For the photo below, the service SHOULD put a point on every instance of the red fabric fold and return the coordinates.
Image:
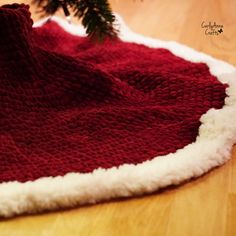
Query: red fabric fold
(70, 105)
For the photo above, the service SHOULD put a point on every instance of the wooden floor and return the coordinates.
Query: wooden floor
(206, 206)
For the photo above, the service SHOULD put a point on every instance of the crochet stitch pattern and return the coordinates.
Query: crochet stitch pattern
(71, 105)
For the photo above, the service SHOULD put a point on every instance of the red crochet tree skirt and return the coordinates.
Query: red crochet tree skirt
(71, 105)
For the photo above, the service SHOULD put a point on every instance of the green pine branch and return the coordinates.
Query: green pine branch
(96, 15)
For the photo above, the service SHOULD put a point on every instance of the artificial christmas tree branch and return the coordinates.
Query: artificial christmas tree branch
(96, 15)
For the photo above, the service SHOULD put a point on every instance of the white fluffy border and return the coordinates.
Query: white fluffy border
(213, 146)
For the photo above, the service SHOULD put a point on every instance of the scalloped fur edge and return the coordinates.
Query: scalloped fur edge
(217, 135)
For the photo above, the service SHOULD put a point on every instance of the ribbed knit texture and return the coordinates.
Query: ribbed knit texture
(71, 105)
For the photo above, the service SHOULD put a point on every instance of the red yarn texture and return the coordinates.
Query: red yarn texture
(70, 105)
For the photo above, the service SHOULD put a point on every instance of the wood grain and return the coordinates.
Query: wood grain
(206, 206)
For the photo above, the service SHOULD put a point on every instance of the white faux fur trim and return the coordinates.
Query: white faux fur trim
(213, 146)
